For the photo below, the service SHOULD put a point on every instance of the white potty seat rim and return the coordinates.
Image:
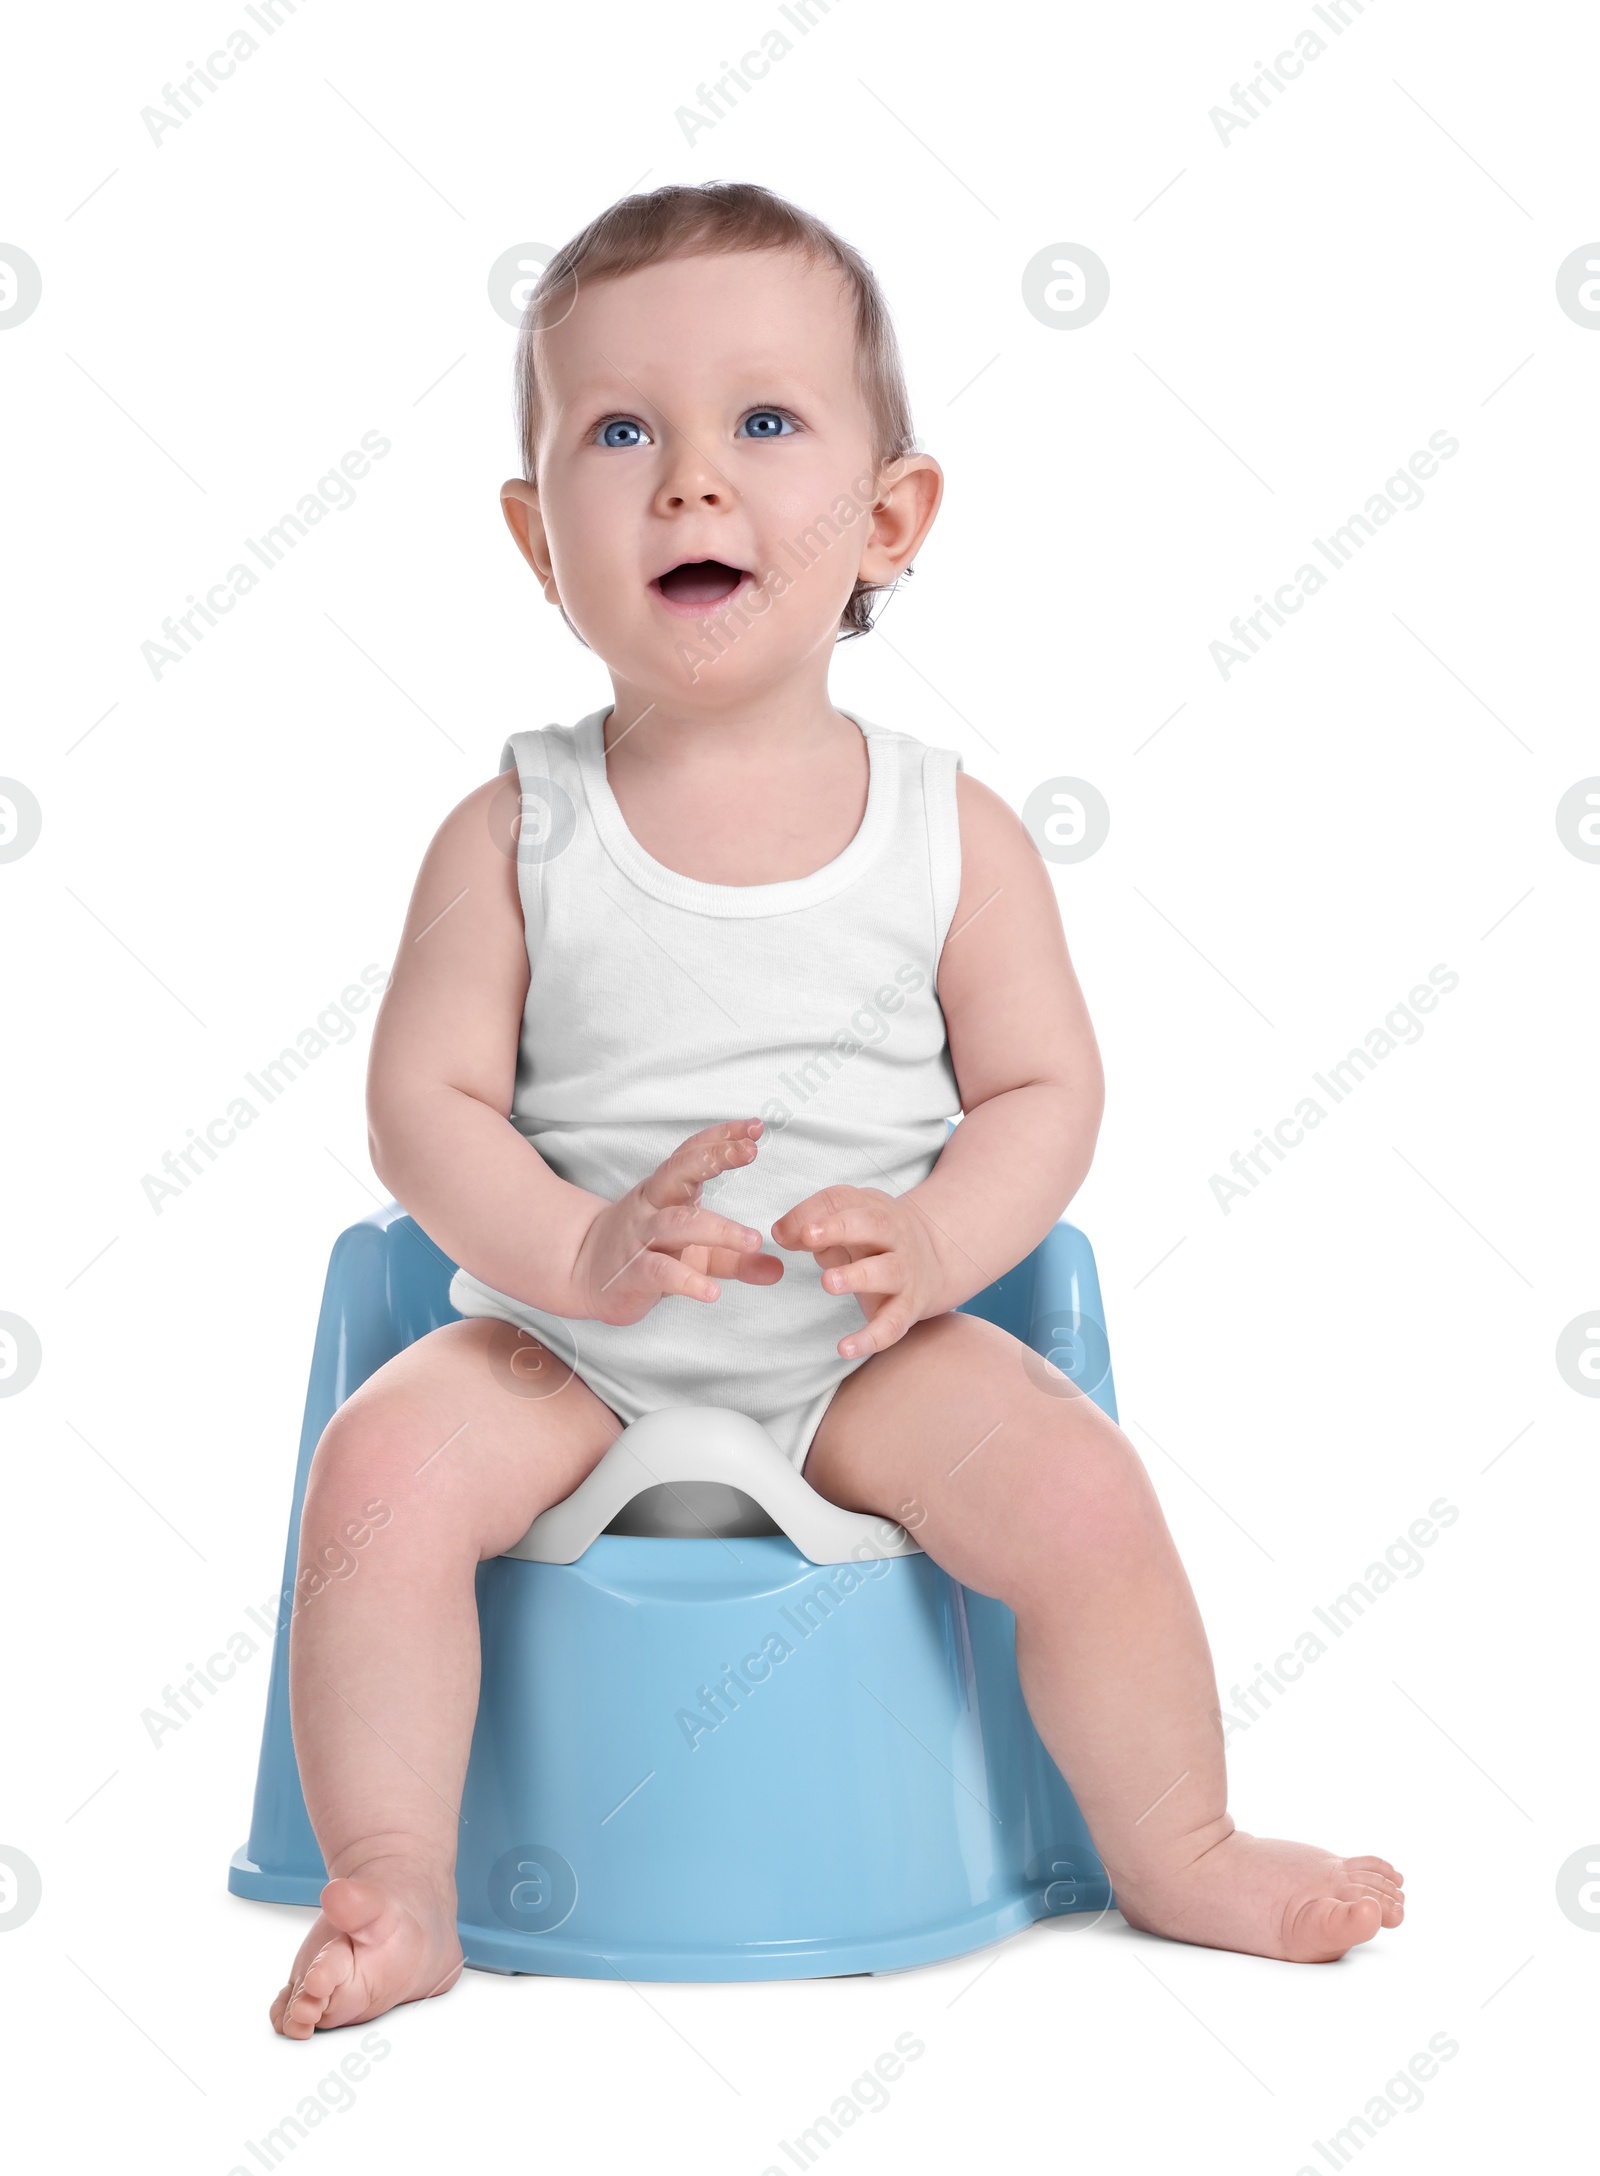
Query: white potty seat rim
(689, 1444)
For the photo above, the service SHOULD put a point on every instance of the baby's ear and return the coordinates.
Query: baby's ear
(519, 502)
(909, 490)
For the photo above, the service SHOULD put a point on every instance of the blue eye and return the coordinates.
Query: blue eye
(622, 431)
(767, 423)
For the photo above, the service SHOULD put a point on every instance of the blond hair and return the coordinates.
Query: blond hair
(721, 217)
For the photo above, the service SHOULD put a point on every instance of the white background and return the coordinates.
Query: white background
(1292, 314)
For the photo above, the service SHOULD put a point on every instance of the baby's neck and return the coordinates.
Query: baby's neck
(739, 800)
(772, 729)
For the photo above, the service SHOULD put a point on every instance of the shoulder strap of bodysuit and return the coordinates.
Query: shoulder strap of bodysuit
(939, 768)
(548, 820)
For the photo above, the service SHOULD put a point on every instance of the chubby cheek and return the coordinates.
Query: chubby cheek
(808, 500)
(808, 575)
(594, 556)
(814, 533)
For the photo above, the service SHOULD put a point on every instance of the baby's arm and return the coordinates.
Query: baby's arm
(440, 1083)
(1025, 1056)
(444, 1064)
(1032, 1090)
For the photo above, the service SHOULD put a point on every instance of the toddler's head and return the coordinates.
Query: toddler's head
(719, 474)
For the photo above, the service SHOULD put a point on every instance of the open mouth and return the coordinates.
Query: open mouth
(698, 585)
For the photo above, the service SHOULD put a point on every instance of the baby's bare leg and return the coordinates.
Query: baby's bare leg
(464, 1438)
(1022, 1488)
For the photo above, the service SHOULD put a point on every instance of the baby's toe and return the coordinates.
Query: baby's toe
(1391, 1902)
(313, 1996)
(1324, 1927)
(291, 2015)
(1377, 1878)
(1378, 1868)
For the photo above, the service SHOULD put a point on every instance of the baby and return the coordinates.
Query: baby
(721, 939)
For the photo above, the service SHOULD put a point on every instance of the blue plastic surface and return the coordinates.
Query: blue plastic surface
(875, 1798)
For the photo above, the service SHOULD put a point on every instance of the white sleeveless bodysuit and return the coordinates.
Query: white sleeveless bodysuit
(658, 1005)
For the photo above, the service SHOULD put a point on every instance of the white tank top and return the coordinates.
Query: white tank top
(658, 1005)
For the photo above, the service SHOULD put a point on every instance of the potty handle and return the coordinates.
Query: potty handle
(707, 1472)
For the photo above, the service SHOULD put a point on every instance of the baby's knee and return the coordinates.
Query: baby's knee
(359, 1460)
(1088, 1490)
(333, 1548)
(1103, 1469)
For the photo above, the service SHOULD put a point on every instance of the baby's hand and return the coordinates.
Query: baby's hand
(876, 1245)
(658, 1239)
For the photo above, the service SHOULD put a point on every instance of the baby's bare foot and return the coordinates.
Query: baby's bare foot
(1270, 1899)
(385, 1934)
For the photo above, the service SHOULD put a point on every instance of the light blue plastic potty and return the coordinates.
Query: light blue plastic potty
(726, 1731)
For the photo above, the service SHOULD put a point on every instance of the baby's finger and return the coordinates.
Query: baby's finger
(861, 1222)
(870, 1273)
(792, 1229)
(886, 1328)
(733, 1262)
(715, 1149)
(683, 1226)
(672, 1278)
